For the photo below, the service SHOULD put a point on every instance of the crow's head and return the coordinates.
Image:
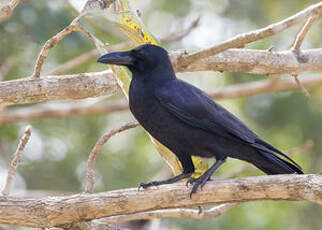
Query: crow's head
(144, 59)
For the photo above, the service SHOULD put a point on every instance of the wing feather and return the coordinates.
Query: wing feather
(194, 107)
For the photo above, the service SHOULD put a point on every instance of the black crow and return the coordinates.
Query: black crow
(187, 121)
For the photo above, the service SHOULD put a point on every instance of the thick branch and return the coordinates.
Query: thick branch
(58, 211)
(77, 86)
(256, 61)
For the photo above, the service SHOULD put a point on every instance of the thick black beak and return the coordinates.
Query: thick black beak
(117, 58)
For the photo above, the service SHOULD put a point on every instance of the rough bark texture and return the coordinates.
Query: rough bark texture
(59, 211)
(31, 90)
(256, 61)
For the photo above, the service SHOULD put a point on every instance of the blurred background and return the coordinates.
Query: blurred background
(54, 160)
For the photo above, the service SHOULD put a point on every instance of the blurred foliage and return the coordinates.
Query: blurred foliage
(55, 159)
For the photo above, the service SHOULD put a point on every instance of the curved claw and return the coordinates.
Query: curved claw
(201, 181)
(194, 189)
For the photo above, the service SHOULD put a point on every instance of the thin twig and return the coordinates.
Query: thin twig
(302, 32)
(63, 210)
(301, 86)
(51, 88)
(7, 10)
(16, 160)
(99, 144)
(245, 38)
(174, 213)
(51, 43)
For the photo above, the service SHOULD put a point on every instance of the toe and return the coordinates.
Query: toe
(190, 181)
(194, 189)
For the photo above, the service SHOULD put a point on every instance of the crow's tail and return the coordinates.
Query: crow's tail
(272, 164)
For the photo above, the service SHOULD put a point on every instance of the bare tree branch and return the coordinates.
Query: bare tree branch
(51, 43)
(77, 86)
(302, 32)
(245, 38)
(7, 10)
(255, 61)
(303, 89)
(176, 213)
(297, 44)
(97, 148)
(16, 160)
(61, 211)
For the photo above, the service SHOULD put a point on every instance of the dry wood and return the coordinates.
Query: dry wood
(7, 10)
(16, 160)
(51, 43)
(60, 211)
(242, 39)
(99, 144)
(302, 32)
(301, 86)
(255, 61)
(234, 60)
(77, 86)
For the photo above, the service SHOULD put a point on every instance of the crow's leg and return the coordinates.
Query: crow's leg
(201, 181)
(167, 181)
(188, 169)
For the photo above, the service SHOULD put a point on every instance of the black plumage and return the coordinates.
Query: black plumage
(187, 121)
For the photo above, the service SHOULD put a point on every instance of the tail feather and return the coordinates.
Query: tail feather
(277, 165)
(272, 148)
